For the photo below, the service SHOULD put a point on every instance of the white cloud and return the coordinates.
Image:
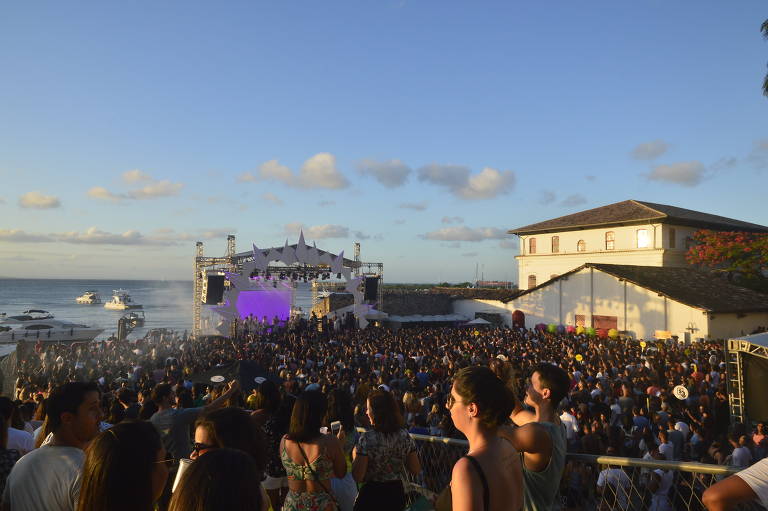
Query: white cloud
(687, 173)
(319, 171)
(19, 236)
(99, 192)
(546, 197)
(464, 233)
(508, 244)
(317, 232)
(326, 203)
(418, 206)
(392, 173)
(247, 177)
(489, 183)
(152, 190)
(650, 150)
(452, 220)
(271, 197)
(573, 200)
(36, 200)
(399, 221)
(2, 201)
(136, 176)
(360, 235)
(273, 170)
(157, 189)
(758, 158)
(95, 236)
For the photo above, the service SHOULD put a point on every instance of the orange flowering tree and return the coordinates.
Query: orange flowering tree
(741, 256)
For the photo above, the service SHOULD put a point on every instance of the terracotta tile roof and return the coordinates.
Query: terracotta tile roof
(690, 286)
(633, 212)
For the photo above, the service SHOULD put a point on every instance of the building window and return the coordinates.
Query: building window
(580, 320)
(672, 238)
(642, 238)
(555, 244)
(532, 246)
(531, 281)
(610, 240)
(581, 246)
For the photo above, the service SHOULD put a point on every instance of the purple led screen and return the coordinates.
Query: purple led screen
(270, 302)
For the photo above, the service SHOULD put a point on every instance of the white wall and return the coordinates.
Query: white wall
(723, 326)
(544, 263)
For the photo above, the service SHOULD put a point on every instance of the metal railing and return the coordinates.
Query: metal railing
(626, 483)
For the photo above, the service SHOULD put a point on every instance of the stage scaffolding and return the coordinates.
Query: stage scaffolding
(735, 351)
(233, 262)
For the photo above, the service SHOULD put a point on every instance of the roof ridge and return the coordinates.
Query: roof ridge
(646, 206)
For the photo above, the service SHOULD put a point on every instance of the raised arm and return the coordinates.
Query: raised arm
(727, 494)
(533, 440)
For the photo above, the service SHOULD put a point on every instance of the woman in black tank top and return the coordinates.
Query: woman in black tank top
(489, 477)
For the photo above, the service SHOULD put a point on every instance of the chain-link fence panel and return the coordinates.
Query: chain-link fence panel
(592, 483)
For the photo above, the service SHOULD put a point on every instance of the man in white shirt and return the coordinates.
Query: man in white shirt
(666, 448)
(48, 478)
(17, 439)
(614, 484)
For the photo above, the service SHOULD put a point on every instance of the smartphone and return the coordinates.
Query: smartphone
(335, 426)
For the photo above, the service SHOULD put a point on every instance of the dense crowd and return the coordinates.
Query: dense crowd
(619, 401)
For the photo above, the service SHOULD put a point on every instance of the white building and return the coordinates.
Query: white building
(644, 302)
(623, 266)
(629, 232)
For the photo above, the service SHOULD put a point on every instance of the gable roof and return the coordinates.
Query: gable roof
(630, 212)
(689, 286)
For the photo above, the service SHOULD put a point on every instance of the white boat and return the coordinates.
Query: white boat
(36, 314)
(89, 298)
(121, 300)
(27, 328)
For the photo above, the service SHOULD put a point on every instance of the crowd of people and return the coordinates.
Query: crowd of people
(327, 427)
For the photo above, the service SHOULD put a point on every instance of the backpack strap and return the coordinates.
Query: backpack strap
(486, 492)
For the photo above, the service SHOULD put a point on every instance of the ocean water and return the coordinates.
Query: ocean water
(167, 304)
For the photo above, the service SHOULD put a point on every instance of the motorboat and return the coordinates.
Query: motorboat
(135, 319)
(121, 300)
(89, 298)
(27, 328)
(37, 314)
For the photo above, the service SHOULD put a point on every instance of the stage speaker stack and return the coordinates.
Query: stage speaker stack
(213, 289)
(755, 375)
(371, 289)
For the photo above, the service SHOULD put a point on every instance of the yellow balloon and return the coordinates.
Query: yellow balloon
(643, 344)
(477, 333)
(579, 330)
(579, 357)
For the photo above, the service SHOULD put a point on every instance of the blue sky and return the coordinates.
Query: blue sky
(425, 130)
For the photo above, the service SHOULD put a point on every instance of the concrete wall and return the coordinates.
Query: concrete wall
(723, 326)
(545, 263)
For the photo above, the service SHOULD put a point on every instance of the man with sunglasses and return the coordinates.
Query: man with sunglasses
(173, 423)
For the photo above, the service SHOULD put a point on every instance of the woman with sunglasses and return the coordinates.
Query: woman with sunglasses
(231, 428)
(126, 456)
(221, 479)
(490, 476)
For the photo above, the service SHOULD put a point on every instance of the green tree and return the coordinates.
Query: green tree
(764, 30)
(741, 256)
